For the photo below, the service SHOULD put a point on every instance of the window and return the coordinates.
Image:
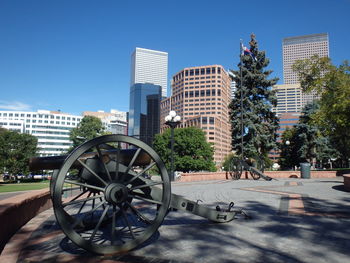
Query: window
(213, 92)
(197, 72)
(191, 72)
(202, 71)
(208, 70)
(207, 92)
(213, 70)
(211, 120)
(196, 93)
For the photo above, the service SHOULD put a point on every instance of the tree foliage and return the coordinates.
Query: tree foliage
(308, 141)
(333, 84)
(90, 127)
(191, 150)
(260, 122)
(15, 151)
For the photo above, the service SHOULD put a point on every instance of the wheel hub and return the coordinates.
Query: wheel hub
(116, 193)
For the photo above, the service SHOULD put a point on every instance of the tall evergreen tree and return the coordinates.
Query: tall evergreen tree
(259, 121)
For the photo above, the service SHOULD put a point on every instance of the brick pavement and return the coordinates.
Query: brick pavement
(293, 220)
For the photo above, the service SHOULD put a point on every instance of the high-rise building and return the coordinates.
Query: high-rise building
(51, 128)
(201, 96)
(302, 47)
(144, 111)
(290, 97)
(150, 66)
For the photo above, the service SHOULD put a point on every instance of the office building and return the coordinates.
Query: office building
(201, 96)
(144, 113)
(114, 121)
(51, 128)
(290, 97)
(149, 66)
(302, 47)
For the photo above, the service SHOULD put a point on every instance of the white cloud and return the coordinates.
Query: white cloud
(14, 105)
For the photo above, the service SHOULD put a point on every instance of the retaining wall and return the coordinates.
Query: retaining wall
(18, 210)
(189, 177)
(347, 181)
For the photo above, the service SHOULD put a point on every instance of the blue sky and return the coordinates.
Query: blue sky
(74, 55)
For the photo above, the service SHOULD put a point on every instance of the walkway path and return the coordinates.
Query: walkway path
(293, 220)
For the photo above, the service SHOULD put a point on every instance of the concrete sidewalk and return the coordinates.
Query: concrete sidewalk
(293, 220)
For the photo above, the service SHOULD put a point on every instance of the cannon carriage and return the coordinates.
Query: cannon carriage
(112, 193)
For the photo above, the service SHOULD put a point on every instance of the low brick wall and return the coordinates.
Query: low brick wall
(347, 181)
(190, 177)
(18, 210)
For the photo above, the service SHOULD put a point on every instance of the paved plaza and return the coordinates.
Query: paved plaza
(292, 220)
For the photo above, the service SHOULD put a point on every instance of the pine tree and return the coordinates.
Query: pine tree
(259, 121)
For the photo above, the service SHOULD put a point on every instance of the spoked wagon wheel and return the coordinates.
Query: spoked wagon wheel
(235, 169)
(120, 197)
(258, 164)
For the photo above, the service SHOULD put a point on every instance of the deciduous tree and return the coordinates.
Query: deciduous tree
(191, 150)
(90, 127)
(15, 151)
(333, 84)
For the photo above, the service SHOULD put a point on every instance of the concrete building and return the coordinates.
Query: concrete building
(149, 66)
(290, 97)
(114, 121)
(144, 111)
(52, 128)
(201, 96)
(302, 47)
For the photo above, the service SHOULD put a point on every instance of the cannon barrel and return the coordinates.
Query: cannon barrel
(55, 162)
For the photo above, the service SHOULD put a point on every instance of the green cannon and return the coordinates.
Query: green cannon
(111, 194)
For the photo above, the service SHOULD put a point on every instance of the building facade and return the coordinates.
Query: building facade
(302, 47)
(290, 97)
(201, 96)
(114, 121)
(49, 127)
(149, 66)
(144, 113)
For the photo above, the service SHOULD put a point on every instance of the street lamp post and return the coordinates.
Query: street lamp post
(172, 120)
(287, 143)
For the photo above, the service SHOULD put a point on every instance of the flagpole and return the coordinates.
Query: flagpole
(241, 81)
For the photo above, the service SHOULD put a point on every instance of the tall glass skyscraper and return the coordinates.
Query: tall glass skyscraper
(144, 112)
(150, 66)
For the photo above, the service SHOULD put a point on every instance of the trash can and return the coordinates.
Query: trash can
(305, 170)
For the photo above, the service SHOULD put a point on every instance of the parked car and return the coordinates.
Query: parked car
(37, 176)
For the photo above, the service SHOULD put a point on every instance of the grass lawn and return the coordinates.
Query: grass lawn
(14, 187)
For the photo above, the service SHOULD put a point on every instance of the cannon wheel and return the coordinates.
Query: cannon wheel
(259, 163)
(115, 205)
(235, 169)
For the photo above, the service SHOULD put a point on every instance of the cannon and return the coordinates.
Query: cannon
(111, 194)
(237, 166)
